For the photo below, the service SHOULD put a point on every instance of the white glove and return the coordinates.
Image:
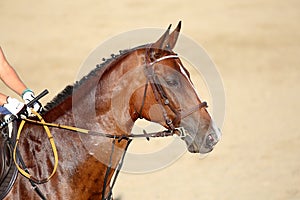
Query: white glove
(16, 107)
(28, 96)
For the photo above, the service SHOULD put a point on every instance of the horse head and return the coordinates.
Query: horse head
(169, 97)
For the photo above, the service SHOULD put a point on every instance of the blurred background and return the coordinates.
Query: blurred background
(256, 48)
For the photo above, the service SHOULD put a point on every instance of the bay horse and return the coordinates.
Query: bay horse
(147, 82)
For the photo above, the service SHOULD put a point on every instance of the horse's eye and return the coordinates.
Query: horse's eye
(172, 82)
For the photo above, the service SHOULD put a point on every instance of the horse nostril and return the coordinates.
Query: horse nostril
(210, 140)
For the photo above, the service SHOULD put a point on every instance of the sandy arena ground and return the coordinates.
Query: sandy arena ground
(255, 45)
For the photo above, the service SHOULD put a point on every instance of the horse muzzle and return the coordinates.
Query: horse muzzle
(204, 144)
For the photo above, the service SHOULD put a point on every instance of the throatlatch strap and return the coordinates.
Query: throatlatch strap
(51, 140)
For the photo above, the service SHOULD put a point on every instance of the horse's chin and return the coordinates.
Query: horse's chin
(193, 148)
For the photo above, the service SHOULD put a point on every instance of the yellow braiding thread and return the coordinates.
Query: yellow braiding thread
(51, 140)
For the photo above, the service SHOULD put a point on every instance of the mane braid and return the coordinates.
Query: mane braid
(58, 99)
(63, 95)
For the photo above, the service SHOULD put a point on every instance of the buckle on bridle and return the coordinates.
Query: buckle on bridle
(182, 132)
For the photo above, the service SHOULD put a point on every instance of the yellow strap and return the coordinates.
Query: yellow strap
(51, 140)
(70, 128)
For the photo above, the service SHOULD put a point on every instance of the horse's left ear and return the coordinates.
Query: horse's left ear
(162, 42)
(174, 36)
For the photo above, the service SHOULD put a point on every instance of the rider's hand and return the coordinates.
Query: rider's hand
(16, 107)
(28, 96)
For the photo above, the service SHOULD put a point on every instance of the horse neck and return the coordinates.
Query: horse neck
(100, 104)
(102, 99)
(107, 102)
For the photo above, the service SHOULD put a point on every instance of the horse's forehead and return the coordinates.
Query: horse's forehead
(174, 67)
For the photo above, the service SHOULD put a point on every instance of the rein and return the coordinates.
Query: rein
(177, 131)
(25, 172)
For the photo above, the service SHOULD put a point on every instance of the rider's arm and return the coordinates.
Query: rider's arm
(9, 76)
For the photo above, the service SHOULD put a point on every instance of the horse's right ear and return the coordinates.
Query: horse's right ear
(163, 41)
(174, 36)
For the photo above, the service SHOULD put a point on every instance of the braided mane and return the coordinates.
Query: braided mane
(68, 90)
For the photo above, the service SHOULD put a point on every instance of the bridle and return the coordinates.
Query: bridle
(160, 94)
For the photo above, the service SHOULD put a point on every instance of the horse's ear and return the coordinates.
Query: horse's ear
(174, 36)
(162, 42)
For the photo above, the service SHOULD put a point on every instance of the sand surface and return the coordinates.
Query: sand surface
(256, 48)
